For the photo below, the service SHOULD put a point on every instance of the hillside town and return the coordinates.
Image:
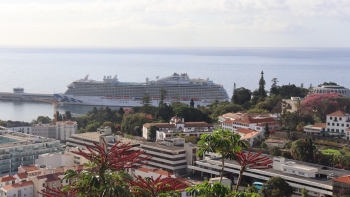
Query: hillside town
(253, 144)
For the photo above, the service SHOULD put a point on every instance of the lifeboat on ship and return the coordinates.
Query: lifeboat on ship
(117, 97)
(109, 97)
(184, 98)
(167, 98)
(127, 97)
(155, 98)
(195, 99)
(174, 98)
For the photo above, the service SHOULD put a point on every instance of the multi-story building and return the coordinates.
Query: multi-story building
(7, 180)
(22, 149)
(50, 180)
(341, 185)
(337, 125)
(65, 129)
(21, 189)
(172, 154)
(248, 121)
(177, 125)
(44, 130)
(56, 159)
(316, 179)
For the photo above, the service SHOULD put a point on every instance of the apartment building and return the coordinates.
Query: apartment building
(18, 149)
(55, 160)
(44, 130)
(21, 189)
(65, 129)
(341, 185)
(50, 180)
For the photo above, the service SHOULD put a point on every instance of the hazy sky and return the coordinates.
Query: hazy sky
(175, 23)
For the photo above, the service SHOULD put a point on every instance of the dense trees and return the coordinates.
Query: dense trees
(303, 150)
(320, 105)
(276, 187)
(241, 96)
(152, 132)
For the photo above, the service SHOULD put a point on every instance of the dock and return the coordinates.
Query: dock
(20, 95)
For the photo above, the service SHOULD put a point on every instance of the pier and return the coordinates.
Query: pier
(18, 94)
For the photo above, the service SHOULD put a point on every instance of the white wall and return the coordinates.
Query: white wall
(55, 160)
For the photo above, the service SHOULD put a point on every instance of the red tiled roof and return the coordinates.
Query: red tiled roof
(322, 125)
(337, 113)
(17, 185)
(143, 169)
(159, 125)
(51, 177)
(29, 168)
(197, 124)
(250, 120)
(244, 131)
(343, 179)
(22, 175)
(7, 178)
(162, 172)
(228, 121)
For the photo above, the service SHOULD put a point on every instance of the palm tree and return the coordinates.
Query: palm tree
(223, 142)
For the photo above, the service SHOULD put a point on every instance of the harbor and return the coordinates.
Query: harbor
(18, 94)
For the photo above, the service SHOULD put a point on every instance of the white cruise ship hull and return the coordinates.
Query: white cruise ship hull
(102, 101)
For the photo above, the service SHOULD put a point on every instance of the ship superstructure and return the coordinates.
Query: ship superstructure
(111, 92)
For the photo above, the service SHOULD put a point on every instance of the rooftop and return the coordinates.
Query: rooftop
(338, 114)
(343, 179)
(17, 185)
(11, 138)
(158, 145)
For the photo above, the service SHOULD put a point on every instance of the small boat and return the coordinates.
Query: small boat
(184, 98)
(109, 97)
(117, 97)
(155, 98)
(126, 97)
(195, 99)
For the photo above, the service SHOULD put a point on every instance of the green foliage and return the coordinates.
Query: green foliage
(276, 187)
(255, 110)
(287, 91)
(222, 108)
(275, 151)
(329, 151)
(266, 131)
(152, 132)
(304, 193)
(241, 96)
(303, 150)
(328, 83)
(192, 103)
(206, 189)
(146, 100)
(133, 123)
(274, 87)
(43, 120)
(262, 83)
(191, 114)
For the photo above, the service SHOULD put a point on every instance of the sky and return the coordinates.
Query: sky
(175, 23)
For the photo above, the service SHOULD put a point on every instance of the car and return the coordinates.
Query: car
(258, 185)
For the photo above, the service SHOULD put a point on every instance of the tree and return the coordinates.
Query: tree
(163, 94)
(328, 83)
(304, 192)
(150, 187)
(206, 189)
(133, 122)
(58, 116)
(121, 111)
(266, 131)
(221, 141)
(192, 103)
(152, 132)
(68, 115)
(322, 104)
(274, 88)
(303, 150)
(262, 83)
(146, 100)
(276, 187)
(275, 151)
(251, 161)
(106, 174)
(44, 120)
(241, 96)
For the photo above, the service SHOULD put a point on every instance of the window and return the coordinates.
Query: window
(342, 125)
(337, 124)
(347, 125)
(331, 117)
(43, 184)
(332, 124)
(339, 118)
(328, 123)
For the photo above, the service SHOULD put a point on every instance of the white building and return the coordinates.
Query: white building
(291, 105)
(65, 129)
(316, 179)
(44, 130)
(337, 125)
(177, 125)
(22, 189)
(7, 180)
(155, 173)
(50, 180)
(331, 88)
(22, 149)
(248, 121)
(55, 160)
(249, 135)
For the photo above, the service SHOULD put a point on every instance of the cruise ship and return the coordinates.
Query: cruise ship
(111, 92)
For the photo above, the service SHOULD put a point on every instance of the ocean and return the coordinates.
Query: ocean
(50, 70)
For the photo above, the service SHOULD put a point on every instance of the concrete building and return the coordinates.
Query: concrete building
(55, 160)
(44, 130)
(337, 125)
(22, 189)
(172, 154)
(249, 135)
(7, 180)
(177, 125)
(248, 121)
(331, 88)
(316, 179)
(18, 149)
(65, 129)
(341, 185)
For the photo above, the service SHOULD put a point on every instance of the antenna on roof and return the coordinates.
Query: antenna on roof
(86, 77)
